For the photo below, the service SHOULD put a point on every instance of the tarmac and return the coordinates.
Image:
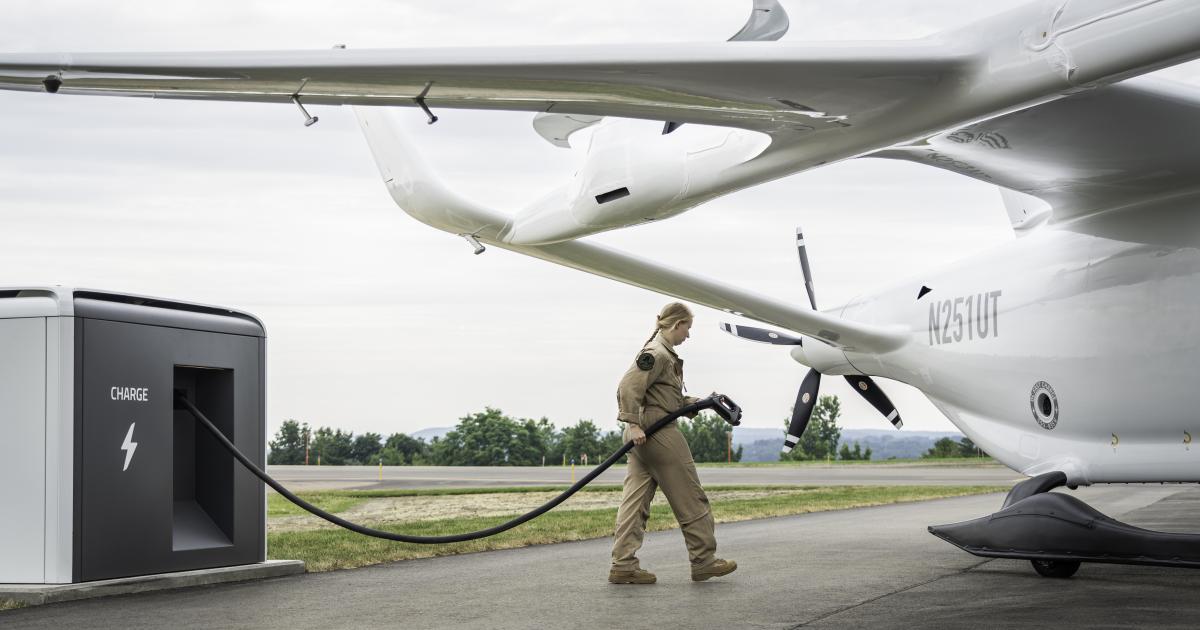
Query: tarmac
(871, 567)
(368, 477)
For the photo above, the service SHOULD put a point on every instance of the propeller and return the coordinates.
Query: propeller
(761, 335)
(806, 398)
(802, 411)
(808, 283)
(866, 386)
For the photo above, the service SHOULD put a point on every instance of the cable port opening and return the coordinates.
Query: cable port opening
(203, 469)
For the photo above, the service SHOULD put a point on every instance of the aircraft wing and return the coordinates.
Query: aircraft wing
(1098, 149)
(819, 102)
(765, 86)
(802, 95)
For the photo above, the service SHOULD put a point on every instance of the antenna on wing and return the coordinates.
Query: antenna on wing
(309, 119)
(420, 101)
(768, 22)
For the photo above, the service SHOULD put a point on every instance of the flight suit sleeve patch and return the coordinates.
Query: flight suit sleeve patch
(645, 361)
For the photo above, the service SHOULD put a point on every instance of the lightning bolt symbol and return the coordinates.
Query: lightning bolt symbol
(129, 446)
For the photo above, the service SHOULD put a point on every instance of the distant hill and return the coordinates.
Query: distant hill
(886, 444)
(763, 445)
(429, 434)
(748, 435)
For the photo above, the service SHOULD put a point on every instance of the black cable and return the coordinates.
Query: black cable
(181, 399)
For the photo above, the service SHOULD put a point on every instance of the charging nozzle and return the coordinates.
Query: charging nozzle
(727, 409)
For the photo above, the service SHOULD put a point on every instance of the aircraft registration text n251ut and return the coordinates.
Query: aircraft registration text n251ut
(964, 318)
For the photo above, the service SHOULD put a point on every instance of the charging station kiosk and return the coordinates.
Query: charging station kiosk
(100, 477)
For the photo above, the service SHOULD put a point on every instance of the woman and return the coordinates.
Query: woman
(650, 389)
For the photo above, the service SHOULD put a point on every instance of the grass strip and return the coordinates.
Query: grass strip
(11, 604)
(330, 501)
(341, 500)
(326, 550)
(335, 501)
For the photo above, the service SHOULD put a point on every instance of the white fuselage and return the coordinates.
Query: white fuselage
(1100, 314)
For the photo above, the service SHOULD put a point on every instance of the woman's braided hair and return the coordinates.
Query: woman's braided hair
(670, 315)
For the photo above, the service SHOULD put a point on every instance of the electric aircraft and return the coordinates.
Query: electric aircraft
(1068, 354)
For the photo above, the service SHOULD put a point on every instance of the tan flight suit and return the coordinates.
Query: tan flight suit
(650, 389)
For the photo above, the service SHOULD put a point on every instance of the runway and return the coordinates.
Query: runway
(368, 477)
(872, 567)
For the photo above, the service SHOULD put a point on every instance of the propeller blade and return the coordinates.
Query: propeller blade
(806, 399)
(869, 389)
(808, 282)
(761, 335)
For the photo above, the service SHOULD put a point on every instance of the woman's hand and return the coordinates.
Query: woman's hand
(637, 435)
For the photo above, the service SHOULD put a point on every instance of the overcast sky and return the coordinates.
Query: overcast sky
(379, 323)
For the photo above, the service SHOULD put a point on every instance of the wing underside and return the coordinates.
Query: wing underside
(1103, 148)
(755, 85)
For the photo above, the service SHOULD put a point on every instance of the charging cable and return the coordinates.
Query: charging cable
(723, 405)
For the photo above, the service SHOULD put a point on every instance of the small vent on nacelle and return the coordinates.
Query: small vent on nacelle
(612, 195)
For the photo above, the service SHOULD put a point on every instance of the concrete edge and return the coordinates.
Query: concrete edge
(38, 594)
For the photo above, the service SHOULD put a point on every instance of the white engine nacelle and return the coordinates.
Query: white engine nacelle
(823, 358)
(633, 174)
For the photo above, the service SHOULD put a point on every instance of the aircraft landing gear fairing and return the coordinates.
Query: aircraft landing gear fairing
(1057, 532)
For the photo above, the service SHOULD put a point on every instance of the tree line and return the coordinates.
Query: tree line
(820, 439)
(491, 438)
(946, 447)
(487, 438)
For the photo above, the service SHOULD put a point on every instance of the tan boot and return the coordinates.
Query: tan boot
(716, 568)
(634, 576)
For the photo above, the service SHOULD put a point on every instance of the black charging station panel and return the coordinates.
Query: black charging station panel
(156, 492)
